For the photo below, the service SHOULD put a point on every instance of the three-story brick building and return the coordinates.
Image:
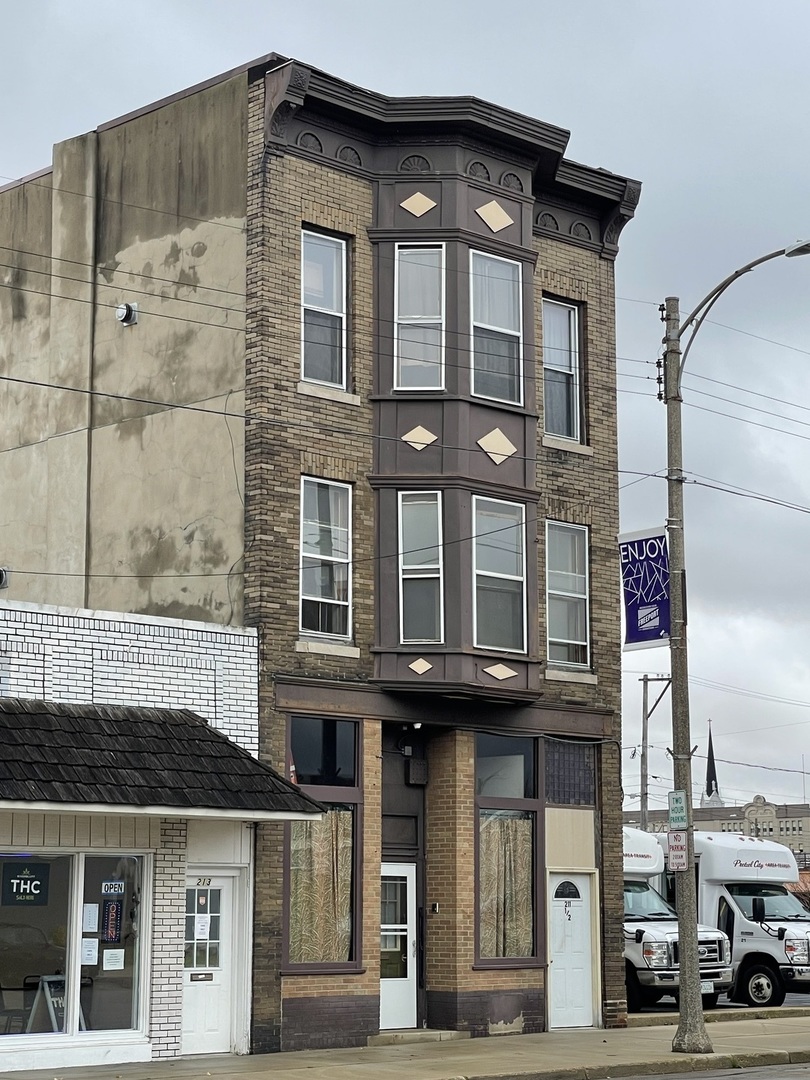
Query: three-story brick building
(342, 368)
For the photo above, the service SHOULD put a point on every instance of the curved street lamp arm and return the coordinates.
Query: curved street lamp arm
(725, 284)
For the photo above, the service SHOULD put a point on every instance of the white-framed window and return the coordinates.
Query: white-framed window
(497, 327)
(561, 370)
(419, 317)
(567, 594)
(421, 602)
(323, 309)
(499, 574)
(326, 552)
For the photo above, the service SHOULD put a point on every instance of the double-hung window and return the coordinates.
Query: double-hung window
(496, 328)
(499, 571)
(420, 566)
(567, 599)
(323, 316)
(419, 318)
(561, 369)
(325, 557)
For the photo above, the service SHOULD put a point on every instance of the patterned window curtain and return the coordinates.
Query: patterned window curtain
(506, 872)
(321, 864)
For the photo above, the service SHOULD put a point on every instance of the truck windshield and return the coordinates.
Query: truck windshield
(641, 901)
(779, 903)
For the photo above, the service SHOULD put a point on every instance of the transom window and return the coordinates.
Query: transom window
(325, 558)
(419, 318)
(567, 594)
(499, 573)
(420, 566)
(561, 375)
(323, 318)
(496, 328)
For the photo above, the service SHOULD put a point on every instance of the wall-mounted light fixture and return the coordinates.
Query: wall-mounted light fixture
(127, 314)
(3, 578)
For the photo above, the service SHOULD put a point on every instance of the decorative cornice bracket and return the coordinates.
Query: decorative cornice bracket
(284, 91)
(619, 217)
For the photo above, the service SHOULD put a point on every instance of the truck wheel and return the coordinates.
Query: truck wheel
(710, 1000)
(635, 997)
(761, 987)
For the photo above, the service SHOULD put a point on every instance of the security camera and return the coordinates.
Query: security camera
(127, 314)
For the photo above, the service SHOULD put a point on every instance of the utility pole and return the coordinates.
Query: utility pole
(645, 716)
(691, 1036)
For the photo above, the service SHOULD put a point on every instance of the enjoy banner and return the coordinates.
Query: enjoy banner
(645, 584)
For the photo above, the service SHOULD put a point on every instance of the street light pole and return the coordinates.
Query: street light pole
(691, 1036)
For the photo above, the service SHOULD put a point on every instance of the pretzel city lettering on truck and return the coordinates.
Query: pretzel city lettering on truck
(651, 933)
(742, 890)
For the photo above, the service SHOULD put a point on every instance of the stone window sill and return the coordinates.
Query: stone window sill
(554, 443)
(328, 648)
(558, 675)
(328, 393)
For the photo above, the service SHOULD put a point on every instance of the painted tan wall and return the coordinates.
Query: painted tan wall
(570, 839)
(131, 505)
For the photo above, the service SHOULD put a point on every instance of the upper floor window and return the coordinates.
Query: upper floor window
(567, 599)
(323, 316)
(420, 566)
(419, 318)
(325, 557)
(561, 375)
(499, 571)
(496, 328)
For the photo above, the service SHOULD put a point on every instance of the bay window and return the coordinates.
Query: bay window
(325, 581)
(567, 593)
(419, 318)
(499, 574)
(323, 315)
(496, 328)
(420, 566)
(561, 375)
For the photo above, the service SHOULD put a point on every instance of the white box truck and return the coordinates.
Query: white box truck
(651, 933)
(741, 890)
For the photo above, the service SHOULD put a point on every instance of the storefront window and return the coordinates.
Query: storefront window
(42, 947)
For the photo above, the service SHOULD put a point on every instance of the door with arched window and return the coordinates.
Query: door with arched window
(571, 960)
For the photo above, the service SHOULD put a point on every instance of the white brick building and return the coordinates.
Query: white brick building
(126, 835)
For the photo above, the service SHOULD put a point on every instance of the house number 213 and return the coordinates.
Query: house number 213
(203, 882)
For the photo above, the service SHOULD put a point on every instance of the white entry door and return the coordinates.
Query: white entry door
(571, 970)
(398, 946)
(207, 974)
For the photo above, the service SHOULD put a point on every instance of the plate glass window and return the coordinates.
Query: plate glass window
(323, 329)
(561, 369)
(496, 328)
(420, 547)
(419, 318)
(506, 796)
(567, 585)
(325, 558)
(500, 574)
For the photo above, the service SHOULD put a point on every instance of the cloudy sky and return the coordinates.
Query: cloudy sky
(706, 104)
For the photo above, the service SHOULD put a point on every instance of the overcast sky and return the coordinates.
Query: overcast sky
(706, 103)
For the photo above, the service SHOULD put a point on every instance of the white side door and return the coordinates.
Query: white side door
(571, 969)
(398, 945)
(208, 974)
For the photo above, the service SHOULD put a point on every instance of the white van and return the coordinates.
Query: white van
(741, 890)
(651, 933)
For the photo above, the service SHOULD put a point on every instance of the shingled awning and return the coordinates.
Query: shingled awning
(125, 759)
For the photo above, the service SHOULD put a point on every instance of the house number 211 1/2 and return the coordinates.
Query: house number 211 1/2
(203, 882)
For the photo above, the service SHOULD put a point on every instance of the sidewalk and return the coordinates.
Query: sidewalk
(749, 1038)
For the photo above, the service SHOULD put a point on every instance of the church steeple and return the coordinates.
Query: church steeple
(710, 796)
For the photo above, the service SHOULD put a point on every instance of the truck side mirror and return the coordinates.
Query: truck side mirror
(639, 936)
(758, 909)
